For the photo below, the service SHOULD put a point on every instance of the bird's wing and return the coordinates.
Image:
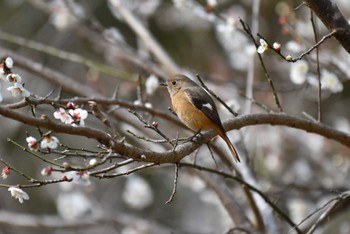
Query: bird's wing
(201, 100)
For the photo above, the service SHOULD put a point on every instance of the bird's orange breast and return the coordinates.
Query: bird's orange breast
(190, 115)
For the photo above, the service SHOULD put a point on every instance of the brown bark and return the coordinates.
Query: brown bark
(328, 12)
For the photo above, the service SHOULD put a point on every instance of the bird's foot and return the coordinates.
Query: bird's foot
(193, 138)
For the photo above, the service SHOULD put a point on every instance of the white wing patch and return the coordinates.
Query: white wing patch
(207, 105)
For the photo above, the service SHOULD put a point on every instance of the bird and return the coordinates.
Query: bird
(195, 108)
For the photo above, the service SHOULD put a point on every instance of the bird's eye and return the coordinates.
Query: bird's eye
(173, 82)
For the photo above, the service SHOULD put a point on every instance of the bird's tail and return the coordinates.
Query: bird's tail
(231, 147)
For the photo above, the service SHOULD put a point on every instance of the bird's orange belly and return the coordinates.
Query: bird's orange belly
(191, 116)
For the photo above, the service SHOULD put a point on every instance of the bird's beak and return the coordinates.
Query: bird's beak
(163, 84)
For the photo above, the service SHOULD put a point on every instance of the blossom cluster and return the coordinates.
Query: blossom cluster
(299, 74)
(16, 86)
(47, 142)
(72, 115)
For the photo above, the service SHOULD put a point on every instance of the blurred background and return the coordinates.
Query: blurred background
(298, 171)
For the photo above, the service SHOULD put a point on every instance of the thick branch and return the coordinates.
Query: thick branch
(57, 127)
(174, 156)
(328, 12)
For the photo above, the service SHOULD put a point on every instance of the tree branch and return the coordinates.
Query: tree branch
(328, 12)
(174, 156)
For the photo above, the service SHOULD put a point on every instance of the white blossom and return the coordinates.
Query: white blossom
(9, 62)
(79, 177)
(49, 142)
(73, 205)
(5, 172)
(298, 208)
(289, 57)
(46, 171)
(180, 3)
(298, 72)
(212, 3)
(263, 46)
(33, 144)
(312, 79)
(65, 15)
(293, 46)
(330, 81)
(137, 102)
(62, 115)
(152, 83)
(137, 194)
(18, 89)
(18, 194)
(93, 162)
(2, 73)
(148, 105)
(277, 46)
(227, 28)
(79, 115)
(250, 50)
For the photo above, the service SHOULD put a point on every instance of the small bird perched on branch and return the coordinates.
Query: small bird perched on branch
(195, 108)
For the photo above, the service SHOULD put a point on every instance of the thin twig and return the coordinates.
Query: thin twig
(275, 95)
(255, 210)
(212, 155)
(142, 167)
(16, 170)
(39, 183)
(110, 168)
(248, 31)
(175, 184)
(307, 115)
(103, 118)
(299, 6)
(262, 106)
(153, 126)
(242, 182)
(326, 214)
(140, 91)
(176, 141)
(302, 55)
(319, 93)
(145, 138)
(315, 212)
(37, 155)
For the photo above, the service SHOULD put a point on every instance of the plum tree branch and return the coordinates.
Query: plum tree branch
(328, 12)
(174, 156)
